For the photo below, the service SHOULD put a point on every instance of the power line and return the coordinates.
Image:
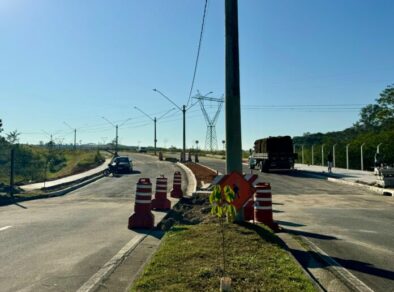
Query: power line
(198, 52)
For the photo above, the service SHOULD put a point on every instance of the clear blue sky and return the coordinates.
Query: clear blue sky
(76, 61)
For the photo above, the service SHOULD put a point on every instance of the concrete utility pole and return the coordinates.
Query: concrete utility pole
(378, 148)
(184, 133)
(312, 154)
(12, 171)
(232, 91)
(116, 131)
(322, 155)
(362, 156)
(183, 110)
(75, 134)
(333, 153)
(302, 153)
(154, 122)
(347, 156)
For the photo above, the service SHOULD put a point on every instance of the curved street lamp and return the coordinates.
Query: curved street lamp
(154, 120)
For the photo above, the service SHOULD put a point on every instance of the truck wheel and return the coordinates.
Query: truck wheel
(265, 166)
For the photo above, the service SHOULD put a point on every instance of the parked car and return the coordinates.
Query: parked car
(120, 164)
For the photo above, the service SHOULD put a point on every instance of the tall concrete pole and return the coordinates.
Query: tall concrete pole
(333, 153)
(362, 156)
(347, 156)
(155, 140)
(312, 155)
(116, 140)
(75, 139)
(302, 153)
(184, 134)
(322, 155)
(232, 91)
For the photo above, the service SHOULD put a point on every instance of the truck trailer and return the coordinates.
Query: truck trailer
(273, 153)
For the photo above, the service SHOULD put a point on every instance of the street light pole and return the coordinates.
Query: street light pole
(184, 133)
(347, 156)
(362, 157)
(232, 90)
(378, 148)
(312, 154)
(116, 131)
(333, 153)
(154, 122)
(183, 110)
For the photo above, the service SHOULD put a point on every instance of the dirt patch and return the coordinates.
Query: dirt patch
(194, 210)
(188, 211)
(203, 174)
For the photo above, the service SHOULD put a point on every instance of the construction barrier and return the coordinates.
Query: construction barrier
(160, 201)
(263, 205)
(142, 217)
(177, 186)
(249, 210)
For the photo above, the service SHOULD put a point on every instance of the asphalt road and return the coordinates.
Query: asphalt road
(58, 244)
(353, 226)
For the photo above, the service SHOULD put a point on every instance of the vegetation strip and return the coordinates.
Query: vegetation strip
(189, 260)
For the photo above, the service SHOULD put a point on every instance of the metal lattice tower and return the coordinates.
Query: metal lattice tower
(210, 138)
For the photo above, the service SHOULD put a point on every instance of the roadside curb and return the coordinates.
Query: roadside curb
(337, 269)
(112, 264)
(326, 273)
(58, 193)
(380, 191)
(192, 182)
(210, 168)
(110, 267)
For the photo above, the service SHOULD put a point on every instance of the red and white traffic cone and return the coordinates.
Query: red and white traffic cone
(143, 216)
(160, 201)
(263, 206)
(177, 186)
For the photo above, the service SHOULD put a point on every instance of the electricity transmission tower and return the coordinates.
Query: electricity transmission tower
(210, 138)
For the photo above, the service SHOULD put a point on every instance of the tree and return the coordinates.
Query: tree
(221, 207)
(13, 137)
(376, 115)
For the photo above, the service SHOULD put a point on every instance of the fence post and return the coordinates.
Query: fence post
(12, 172)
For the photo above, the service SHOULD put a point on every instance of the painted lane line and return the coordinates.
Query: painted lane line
(5, 228)
(111, 264)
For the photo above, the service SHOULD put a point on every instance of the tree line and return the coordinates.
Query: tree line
(374, 127)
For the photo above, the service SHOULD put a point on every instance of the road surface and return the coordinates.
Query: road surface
(57, 244)
(353, 226)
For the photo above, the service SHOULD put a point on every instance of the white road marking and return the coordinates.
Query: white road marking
(5, 228)
(111, 264)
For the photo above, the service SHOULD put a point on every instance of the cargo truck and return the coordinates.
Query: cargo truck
(273, 153)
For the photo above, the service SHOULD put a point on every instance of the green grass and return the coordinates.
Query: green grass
(35, 164)
(189, 259)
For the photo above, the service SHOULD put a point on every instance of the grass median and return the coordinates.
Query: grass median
(189, 259)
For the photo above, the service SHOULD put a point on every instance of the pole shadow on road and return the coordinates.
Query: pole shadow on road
(310, 234)
(287, 223)
(327, 261)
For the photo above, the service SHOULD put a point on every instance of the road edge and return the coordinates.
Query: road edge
(107, 270)
(112, 264)
(337, 269)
